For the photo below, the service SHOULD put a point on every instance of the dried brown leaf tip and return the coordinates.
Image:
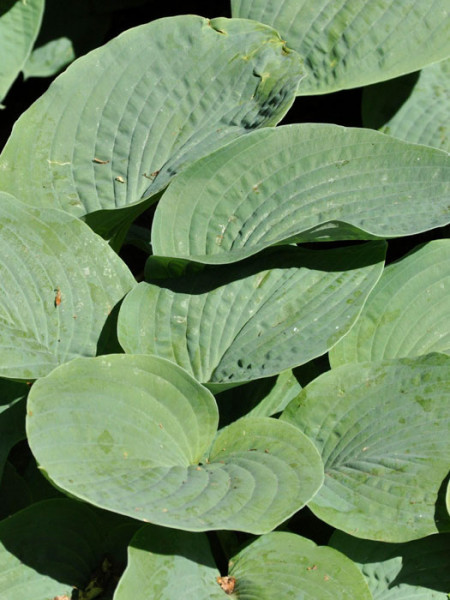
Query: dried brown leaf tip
(227, 583)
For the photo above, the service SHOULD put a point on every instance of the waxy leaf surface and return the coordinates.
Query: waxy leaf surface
(307, 182)
(285, 565)
(241, 322)
(407, 313)
(417, 570)
(382, 430)
(59, 283)
(138, 436)
(349, 43)
(121, 121)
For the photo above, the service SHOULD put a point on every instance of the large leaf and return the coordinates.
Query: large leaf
(20, 21)
(69, 29)
(168, 564)
(139, 438)
(12, 416)
(284, 565)
(55, 545)
(309, 182)
(59, 283)
(121, 121)
(421, 116)
(241, 322)
(407, 313)
(417, 570)
(349, 43)
(382, 430)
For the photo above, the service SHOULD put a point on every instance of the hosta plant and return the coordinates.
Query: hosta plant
(225, 326)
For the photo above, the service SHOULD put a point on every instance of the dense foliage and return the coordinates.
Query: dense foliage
(224, 301)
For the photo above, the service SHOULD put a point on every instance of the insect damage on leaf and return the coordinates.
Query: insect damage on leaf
(227, 583)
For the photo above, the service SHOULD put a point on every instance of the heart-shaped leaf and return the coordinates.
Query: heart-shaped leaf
(59, 283)
(137, 435)
(308, 182)
(417, 570)
(168, 564)
(55, 545)
(421, 116)
(242, 322)
(20, 21)
(407, 313)
(382, 430)
(121, 121)
(350, 43)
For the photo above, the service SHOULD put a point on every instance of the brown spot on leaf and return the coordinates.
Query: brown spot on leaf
(227, 583)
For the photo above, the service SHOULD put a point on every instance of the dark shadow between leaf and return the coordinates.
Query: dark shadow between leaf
(68, 541)
(381, 101)
(168, 542)
(108, 342)
(441, 516)
(5, 6)
(187, 277)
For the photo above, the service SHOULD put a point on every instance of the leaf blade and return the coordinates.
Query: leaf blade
(242, 322)
(304, 182)
(157, 457)
(352, 43)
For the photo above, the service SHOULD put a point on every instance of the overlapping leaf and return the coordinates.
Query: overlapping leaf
(417, 570)
(415, 108)
(407, 313)
(382, 430)
(242, 322)
(308, 182)
(59, 283)
(349, 43)
(20, 21)
(55, 545)
(121, 121)
(137, 435)
(168, 564)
